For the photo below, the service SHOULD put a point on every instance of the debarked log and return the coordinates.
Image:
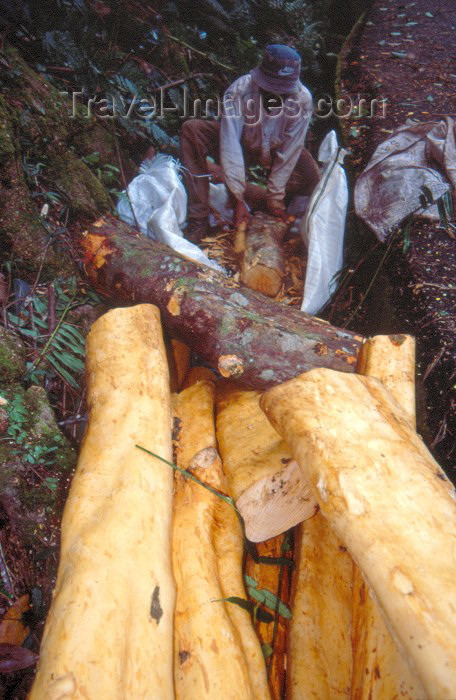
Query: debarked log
(217, 654)
(324, 660)
(388, 501)
(236, 330)
(379, 670)
(319, 650)
(267, 484)
(109, 632)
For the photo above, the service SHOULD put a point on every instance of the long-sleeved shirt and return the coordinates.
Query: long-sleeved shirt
(276, 139)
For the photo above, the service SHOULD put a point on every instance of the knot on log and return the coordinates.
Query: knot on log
(230, 366)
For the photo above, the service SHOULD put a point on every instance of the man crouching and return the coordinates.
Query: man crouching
(265, 117)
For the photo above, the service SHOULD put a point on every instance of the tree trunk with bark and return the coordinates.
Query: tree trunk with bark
(237, 331)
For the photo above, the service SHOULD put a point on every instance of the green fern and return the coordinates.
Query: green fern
(61, 352)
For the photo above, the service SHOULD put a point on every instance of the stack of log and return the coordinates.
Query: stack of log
(150, 598)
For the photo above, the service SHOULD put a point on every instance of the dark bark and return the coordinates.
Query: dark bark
(237, 331)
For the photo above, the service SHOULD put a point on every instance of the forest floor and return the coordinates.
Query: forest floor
(405, 54)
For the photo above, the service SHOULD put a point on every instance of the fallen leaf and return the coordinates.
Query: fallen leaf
(14, 658)
(12, 630)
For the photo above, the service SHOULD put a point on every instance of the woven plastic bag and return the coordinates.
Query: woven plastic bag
(159, 201)
(322, 228)
(416, 155)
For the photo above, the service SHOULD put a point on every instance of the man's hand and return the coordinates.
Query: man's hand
(216, 172)
(241, 212)
(276, 208)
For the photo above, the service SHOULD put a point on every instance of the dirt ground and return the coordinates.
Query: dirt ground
(405, 54)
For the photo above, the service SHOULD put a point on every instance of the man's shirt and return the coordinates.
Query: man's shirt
(275, 139)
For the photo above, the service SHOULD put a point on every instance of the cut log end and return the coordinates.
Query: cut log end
(197, 374)
(270, 491)
(276, 503)
(204, 459)
(230, 366)
(263, 279)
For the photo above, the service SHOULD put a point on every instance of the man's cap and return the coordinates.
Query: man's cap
(279, 69)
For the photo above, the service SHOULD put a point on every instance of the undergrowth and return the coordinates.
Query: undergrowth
(121, 50)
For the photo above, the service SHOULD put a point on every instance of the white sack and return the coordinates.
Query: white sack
(159, 201)
(323, 227)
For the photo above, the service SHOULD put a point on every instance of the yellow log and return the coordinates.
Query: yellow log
(181, 354)
(391, 358)
(319, 643)
(266, 482)
(217, 653)
(109, 633)
(319, 640)
(195, 374)
(379, 671)
(388, 501)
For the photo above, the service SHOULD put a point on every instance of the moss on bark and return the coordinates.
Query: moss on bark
(44, 431)
(20, 228)
(12, 356)
(35, 127)
(83, 190)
